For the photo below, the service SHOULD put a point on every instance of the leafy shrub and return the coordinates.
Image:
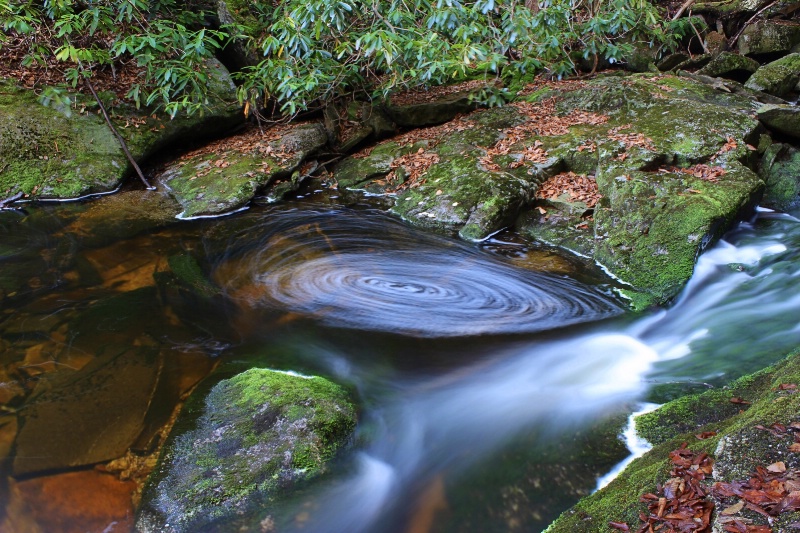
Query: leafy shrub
(314, 51)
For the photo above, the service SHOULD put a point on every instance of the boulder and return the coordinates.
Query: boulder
(769, 38)
(225, 175)
(780, 170)
(731, 66)
(784, 119)
(780, 77)
(243, 445)
(56, 153)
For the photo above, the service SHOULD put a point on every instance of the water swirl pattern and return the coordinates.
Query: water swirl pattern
(356, 271)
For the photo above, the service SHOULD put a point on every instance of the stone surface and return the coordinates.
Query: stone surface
(769, 38)
(783, 119)
(731, 66)
(250, 439)
(736, 444)
(780, 169)
(225, 175)
(779, 77)
(50, 152)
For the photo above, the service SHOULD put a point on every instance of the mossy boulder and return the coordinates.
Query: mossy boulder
(735, 442)
(244, 445)
(657, 213)
(769, 38)
(225, 175)
(50, 152)
(783, 119)
(780, 169)
(779, 77)
(731, 66)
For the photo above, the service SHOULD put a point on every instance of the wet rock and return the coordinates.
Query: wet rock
(779, 77)
(780, 169)
(769, 38)
(783, 119)
(252, 438)
(52, 152)
(671, 61)
(731, 66)
(122, 215)
(225, 175)
(89, 416)
(651, 223)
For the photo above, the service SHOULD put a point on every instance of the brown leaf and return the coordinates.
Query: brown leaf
(733, 509)
(738, 400)
(706, 435)
(787, 386)
(619, 526)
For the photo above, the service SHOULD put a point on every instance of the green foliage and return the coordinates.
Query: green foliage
(315, 51)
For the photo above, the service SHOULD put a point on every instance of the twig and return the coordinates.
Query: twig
(699, 37)
(686, 5)
(733, 41)
(119, 137)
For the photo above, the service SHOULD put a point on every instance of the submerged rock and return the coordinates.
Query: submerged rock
(247, 442)
(57, 153)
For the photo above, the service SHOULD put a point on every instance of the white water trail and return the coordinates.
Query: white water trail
(560, 383)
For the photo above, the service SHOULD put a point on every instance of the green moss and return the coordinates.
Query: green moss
(738, 445)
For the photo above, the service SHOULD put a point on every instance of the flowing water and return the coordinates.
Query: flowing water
(492, 378)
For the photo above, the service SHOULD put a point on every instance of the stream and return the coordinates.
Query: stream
(493, 379)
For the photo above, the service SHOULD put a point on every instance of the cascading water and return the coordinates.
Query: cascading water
(455, 352)
(744, 293)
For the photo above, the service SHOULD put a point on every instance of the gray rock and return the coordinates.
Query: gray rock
(784, 119)
(731, 66)
(768, 38)
(780, 77)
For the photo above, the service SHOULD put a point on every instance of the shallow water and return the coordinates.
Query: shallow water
(480, 369)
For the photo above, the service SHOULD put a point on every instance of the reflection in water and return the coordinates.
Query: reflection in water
(371, 273)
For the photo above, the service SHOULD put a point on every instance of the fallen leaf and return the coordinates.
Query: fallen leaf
(619, 526)
(739, 401)
(779, 466)
(733, 509)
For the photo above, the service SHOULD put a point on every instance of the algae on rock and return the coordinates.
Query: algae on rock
(250, 439)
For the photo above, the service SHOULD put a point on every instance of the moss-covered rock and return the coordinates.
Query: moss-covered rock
(653, 221)
(250, 439)
(780, 169)
(779, 77)
(736, 443)
(50, 152)
(732, 66)
(783, 119)
(769, 38)
(225, 175)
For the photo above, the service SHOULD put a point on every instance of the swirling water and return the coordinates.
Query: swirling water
(460, 358)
